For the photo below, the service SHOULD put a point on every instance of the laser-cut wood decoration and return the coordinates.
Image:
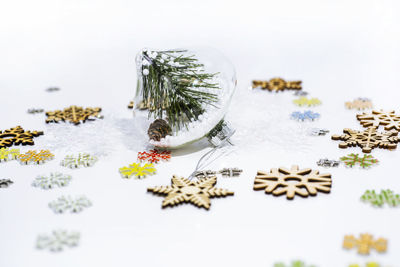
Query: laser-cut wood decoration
(365, 243)
(73, 114)
(367, 139)
(359, 104)
(303, 182)
(385, 118)
(184, 190)
(131, 105)
(17, 136)
(35, 157)
(277, 84)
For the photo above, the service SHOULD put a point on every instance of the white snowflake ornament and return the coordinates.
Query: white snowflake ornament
(53, 180)
(74, 205)
(83, 159)
(57, 240)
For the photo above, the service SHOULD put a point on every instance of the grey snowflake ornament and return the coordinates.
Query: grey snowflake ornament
(230, 172)
(57, 240)
(74, 205)
(53, 180)
(328, 163)
(204, 174)
(35, 110)
(82, 160)
(5, 183)
(318, 132)
(300, 93)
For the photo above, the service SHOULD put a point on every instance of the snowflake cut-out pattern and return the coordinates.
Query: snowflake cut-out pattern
(154, 155)
(73, 114)
(74, 205)
(386, 118)
(53, 180)
(306, 115)
(304, 101)
(365, 243)
(367, 139)
(35, 157)
(184, 190)
(82, 160)
(7, 154)
(57, 240)
(303, 182)
(17, 136)
(137, 170)
(359, 104)
(4, 183)
(377, 200)
(365, 161)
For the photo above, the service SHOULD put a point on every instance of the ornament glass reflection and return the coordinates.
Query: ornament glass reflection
(182, 94)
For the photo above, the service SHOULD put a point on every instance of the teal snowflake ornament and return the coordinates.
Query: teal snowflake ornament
(293, 264)
(377, 200)
(365, 161)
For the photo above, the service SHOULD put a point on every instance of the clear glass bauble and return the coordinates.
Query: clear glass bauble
(182, 94)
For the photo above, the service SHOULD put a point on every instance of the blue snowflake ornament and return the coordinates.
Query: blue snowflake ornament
(306, 115)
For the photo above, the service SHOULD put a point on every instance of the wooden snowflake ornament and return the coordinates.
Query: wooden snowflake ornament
(303, 182)
(359, 104)
(7, 154)
(367, 139)
(154, 155)
(388, 119)
(35, 157)
(365, 243)
(137, 170)
(277, 84)
(184, 190)
(304, 101)
(73, 114)
(17, 136)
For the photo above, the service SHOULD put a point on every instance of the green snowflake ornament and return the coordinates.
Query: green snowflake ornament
(304, 101)
(368, 264)
(365, 161)
(137, 170)
(293, 264)
(377, 200)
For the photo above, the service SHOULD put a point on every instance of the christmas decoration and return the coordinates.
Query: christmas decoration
(74, 205)
(5, 183)
(377, 200)
(16, 136)
(365, 243)
(359, 104)
(82, 160)
(35, 110)
(388, 119)
(35, 157)
(306, 115)
(303, 182)
(296, 263)
(185, 94)
(154, 155)
(364, 161)
(368, 264)
(131, 104)
(277, 84)
(57, 240)
(7, 154)
(52, 89)
(204, 174)
(230, 172)
(73, 114)
(367, 139)
(196, 192)
(158, 129)
(304, 101)
(137, 170)
(53, 180)
(328, 163)
(318, 132)
(300, 93)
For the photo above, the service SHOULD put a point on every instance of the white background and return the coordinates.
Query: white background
(339, 49)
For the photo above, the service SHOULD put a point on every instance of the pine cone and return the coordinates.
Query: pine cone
(158, 129)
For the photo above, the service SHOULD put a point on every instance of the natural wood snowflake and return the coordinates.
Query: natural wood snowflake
(388, 119)
(34, 157)
(365, 243)
(17, 136)
(137, 170)
(359, 104)
(184, 190)
(73, 114)
(154, 155)
(8, 154)
(367, 139)
(277, 84)
(303, 182)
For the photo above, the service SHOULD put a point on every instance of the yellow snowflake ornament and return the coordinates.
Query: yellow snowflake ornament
(137, 170)
(365, 243)
(184, 190)
(8, 154)
(34, 157)
(304, 101)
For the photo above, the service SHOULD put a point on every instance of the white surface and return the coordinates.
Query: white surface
(340, 49)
